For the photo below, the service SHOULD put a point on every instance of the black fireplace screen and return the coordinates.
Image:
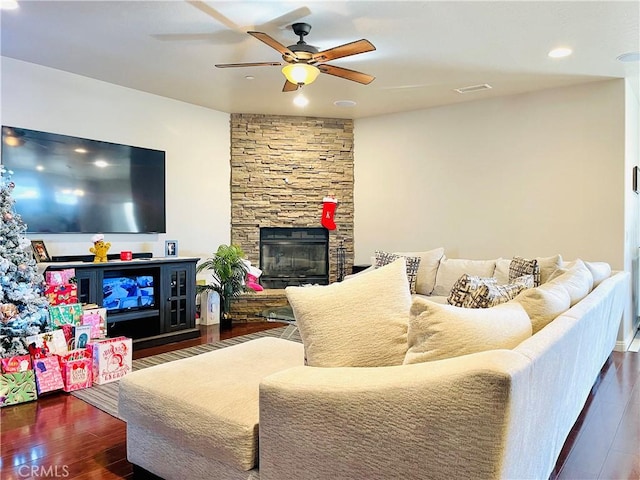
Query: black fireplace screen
(294, 256)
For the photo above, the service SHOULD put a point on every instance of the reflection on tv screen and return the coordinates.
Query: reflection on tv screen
(128, 292)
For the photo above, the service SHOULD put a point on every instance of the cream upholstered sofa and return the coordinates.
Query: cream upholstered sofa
(371, 399)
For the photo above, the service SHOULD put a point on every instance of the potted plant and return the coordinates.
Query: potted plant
(229, 272)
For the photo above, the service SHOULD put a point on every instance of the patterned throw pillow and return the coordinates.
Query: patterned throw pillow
(521, 266)
(491, 295)
(465, 286)
(413, 263)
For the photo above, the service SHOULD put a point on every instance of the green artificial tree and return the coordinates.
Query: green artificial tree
(23, 306)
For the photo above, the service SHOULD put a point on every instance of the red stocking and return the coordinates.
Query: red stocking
(329, 205)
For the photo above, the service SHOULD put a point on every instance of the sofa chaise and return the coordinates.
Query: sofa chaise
(389, 384)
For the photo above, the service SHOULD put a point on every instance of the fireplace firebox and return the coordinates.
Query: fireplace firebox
(294, 256)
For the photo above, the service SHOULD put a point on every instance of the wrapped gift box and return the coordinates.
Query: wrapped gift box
(62, 294)
(53, 342)
(19, 363)
(97, 318)
(59, 277)
(61, 314)
(18, 387)
(48, 374)
(76, 369)
(112, 359)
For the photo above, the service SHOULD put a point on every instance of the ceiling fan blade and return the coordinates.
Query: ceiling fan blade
(212, 12)
(353, 48)
(273, 43)
(347, 74)
(289, 87)
(253, 64)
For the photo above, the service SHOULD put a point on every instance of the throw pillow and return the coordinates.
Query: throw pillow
(443, 331)
(359, 323)
(451, 269)
(465, 286)
(544, 303)
(521, 266)
(548, 265)
(501, 273)
(577, 280)
(599, 270)
(413, 263)
(489, 295)
(429, 262)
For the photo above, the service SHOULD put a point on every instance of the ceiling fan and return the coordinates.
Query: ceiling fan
(303, 62)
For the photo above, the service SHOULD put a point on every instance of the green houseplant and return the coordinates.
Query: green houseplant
(228, 272)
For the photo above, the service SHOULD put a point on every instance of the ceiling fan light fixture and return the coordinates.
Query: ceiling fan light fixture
(300, 73)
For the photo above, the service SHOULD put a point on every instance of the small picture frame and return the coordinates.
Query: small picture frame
(40, 251)
(171, 248)
(636, 174)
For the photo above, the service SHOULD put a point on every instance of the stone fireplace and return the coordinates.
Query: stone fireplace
(281, 169)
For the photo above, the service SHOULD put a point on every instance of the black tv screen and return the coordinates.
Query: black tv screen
(67, 184)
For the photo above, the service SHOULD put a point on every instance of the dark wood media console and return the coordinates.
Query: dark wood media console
(171, 316)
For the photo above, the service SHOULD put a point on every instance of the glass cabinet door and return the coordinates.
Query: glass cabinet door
(179, 312)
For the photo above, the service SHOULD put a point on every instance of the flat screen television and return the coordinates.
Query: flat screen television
(128, 292)
(67, 184)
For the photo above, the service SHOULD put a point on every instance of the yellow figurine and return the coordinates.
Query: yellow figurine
(100, 248)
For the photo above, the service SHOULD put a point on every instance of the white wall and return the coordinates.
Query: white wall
(196, 141)
(532, 175)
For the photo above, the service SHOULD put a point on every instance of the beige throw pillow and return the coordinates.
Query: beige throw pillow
(451, 269)
(544, 303)
(442, 331)
(358, 323)
(429, 262)
(577, 280)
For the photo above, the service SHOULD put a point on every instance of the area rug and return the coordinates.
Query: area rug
(105, 397)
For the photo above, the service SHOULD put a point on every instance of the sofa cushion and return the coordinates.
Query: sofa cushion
(429, 262)
(358, 323)
(442, 331)
(501, 273)
(577, 280)
(599, 270)
(520, 266)
(548, 265)
(413, 263)
(451, 269)
(544, 303)
(490, 295)
(465, 286)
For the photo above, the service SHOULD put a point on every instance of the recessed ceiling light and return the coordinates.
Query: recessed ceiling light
(80, 150)
(300, 100)
(560, 52)
(8, 4)
(100, 163)
(250, 77)
(629, 57)
(344, 103)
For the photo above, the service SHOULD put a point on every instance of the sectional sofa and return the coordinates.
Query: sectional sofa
(389, 384)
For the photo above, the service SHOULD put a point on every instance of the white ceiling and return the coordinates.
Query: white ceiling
(425, 49)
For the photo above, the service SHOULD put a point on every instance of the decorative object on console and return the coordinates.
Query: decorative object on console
(228, 272)
(40, 251)
(171, 248)
(329, 205)
(126, 255)
(100, 248)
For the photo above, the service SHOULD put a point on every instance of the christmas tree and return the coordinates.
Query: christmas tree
(23, 306)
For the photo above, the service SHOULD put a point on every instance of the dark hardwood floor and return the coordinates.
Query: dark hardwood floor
(60, 436)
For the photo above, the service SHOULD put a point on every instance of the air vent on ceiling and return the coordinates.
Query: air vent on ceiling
(473, 88)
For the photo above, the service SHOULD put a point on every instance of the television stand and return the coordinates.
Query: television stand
(171, 316)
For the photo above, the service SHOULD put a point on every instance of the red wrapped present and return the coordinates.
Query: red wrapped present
(59, 277)
(48, 374)
(19, 363)
(97, 318)
(62, 294)
(76, 369)
(112, 359)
